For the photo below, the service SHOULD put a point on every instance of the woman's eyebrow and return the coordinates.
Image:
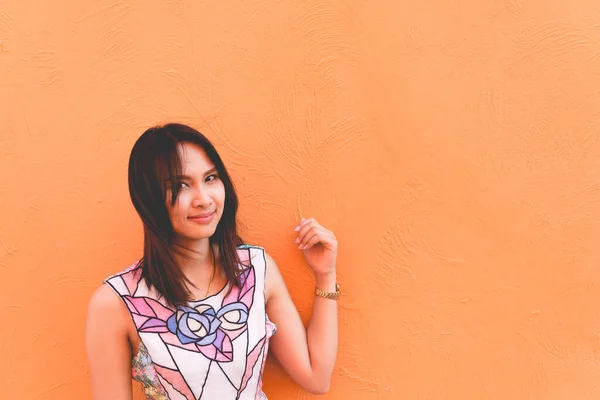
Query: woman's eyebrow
(181, 178)
(189, 178)
(211, 171)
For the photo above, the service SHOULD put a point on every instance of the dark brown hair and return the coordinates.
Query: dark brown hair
(154, 164)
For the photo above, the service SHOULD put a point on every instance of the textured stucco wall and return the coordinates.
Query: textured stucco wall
(453, 146)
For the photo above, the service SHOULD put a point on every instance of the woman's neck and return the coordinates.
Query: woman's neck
(196, 259)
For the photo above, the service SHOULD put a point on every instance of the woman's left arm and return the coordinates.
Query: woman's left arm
(307, 355)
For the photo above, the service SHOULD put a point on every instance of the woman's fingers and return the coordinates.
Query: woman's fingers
(316, 235)
(304, 223)
(310, 232)
(313, 233)
(304, 227)
(326, 241)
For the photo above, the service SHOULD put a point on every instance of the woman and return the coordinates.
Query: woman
(189, 319)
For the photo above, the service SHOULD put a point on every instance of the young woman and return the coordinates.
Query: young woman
(195, 317)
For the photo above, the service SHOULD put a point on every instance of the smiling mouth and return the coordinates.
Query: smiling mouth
(203, 218)
(202, 215)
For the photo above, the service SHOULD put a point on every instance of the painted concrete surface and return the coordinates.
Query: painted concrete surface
(453, 146)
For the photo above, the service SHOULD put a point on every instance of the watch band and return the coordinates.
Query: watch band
(329, 295)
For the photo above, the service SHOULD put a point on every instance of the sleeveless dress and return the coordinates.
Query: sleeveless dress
(213, 348)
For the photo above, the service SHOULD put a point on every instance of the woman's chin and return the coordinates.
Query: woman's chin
(189, 237)
(201, 235)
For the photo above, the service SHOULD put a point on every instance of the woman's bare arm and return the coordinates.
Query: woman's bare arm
(307, 355)
(107, 345)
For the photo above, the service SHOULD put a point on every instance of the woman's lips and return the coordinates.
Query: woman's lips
(203, 218)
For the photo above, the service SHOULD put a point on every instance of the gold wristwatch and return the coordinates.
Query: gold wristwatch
(329, 295)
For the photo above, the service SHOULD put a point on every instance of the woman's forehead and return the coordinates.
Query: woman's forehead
(194, 159)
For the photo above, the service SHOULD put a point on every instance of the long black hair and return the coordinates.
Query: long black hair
(153, 165)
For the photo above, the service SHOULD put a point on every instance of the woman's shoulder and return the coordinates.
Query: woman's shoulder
(126, 281)
(133, 269)
(106, 305)
(106, 299)
(105, 293)
(107, 318)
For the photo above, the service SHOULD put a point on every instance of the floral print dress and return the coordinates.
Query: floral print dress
(213, 348)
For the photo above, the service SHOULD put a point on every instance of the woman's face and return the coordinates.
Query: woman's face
(199, 205)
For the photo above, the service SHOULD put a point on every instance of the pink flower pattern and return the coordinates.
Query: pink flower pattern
(215, 329)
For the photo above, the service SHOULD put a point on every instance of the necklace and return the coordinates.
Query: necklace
(213, 272)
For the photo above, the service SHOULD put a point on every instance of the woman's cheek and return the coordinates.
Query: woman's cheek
(220, 194)
(179, 207)
(182, 200)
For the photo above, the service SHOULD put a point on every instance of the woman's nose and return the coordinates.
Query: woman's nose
(202, 198)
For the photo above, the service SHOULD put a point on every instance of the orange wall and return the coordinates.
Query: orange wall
(453, 146)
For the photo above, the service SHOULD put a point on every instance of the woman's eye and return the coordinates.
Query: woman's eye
(211, 178)
(181, 185)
